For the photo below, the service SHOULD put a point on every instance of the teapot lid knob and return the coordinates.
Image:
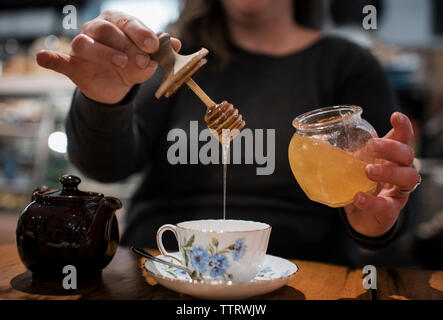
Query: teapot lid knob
(70, 182)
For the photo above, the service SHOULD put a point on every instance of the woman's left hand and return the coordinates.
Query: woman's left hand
(374, 215)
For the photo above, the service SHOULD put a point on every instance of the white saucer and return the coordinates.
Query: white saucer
(275, 273)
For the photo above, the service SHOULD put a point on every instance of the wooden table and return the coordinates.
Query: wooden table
(124, 279)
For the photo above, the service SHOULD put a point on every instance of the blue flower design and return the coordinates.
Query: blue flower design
(286, 273)
(267, 270)
(239, 249)
(219, 264)
(199, 258)
(180, 272)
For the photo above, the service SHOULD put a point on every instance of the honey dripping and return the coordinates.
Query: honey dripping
(223, 119)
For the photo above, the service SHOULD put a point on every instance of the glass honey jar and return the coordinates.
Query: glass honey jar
(328, 154)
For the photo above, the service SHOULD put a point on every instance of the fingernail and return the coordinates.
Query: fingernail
(401, 118)
(374, 170)
(149, 44)
(375, 145)
(119, 60)
(361, 198)
(141, 60)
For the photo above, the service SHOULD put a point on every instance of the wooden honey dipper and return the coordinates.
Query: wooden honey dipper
(178, 69)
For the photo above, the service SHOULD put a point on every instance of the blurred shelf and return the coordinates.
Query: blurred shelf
(54, 93)
(47, 88)
(16, 186)
(19, 130)
(34, 85)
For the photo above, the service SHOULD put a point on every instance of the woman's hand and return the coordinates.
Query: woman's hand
(374, 215)
(108, 57)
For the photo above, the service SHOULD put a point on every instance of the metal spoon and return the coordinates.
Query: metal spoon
(146, 254)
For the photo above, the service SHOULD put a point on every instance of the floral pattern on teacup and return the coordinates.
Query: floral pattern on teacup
(212, 259)
(266, 273)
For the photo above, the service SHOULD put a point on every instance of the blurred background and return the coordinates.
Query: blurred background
(408, 42)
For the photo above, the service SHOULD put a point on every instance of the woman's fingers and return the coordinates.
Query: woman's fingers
(404, 178)
(384, 210)
(86, 48)
(108, 34)
(392, 150)
(370, 203)
(381, 210)
(129, 35)
(176, 44)
(143, 37)
(56, 61)
(402, 128)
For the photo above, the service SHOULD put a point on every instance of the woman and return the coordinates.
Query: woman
(269, 67)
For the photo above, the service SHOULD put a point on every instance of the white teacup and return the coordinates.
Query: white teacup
(227, 250)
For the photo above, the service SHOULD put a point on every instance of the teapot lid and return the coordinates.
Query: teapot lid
(68, 192)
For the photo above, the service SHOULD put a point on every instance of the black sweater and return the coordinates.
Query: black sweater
(111, 142)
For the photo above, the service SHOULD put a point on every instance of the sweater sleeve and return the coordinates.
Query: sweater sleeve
(108, 143)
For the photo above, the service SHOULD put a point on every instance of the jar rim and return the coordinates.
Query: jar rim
(342, 113)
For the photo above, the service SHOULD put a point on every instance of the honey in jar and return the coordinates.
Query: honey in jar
(328, 154)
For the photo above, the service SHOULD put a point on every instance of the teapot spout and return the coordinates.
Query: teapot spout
(106, 209)
(109, 205)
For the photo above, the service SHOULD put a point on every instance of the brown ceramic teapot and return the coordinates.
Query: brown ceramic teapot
(68, 227)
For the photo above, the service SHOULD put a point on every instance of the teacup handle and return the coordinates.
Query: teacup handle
(160, 245)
